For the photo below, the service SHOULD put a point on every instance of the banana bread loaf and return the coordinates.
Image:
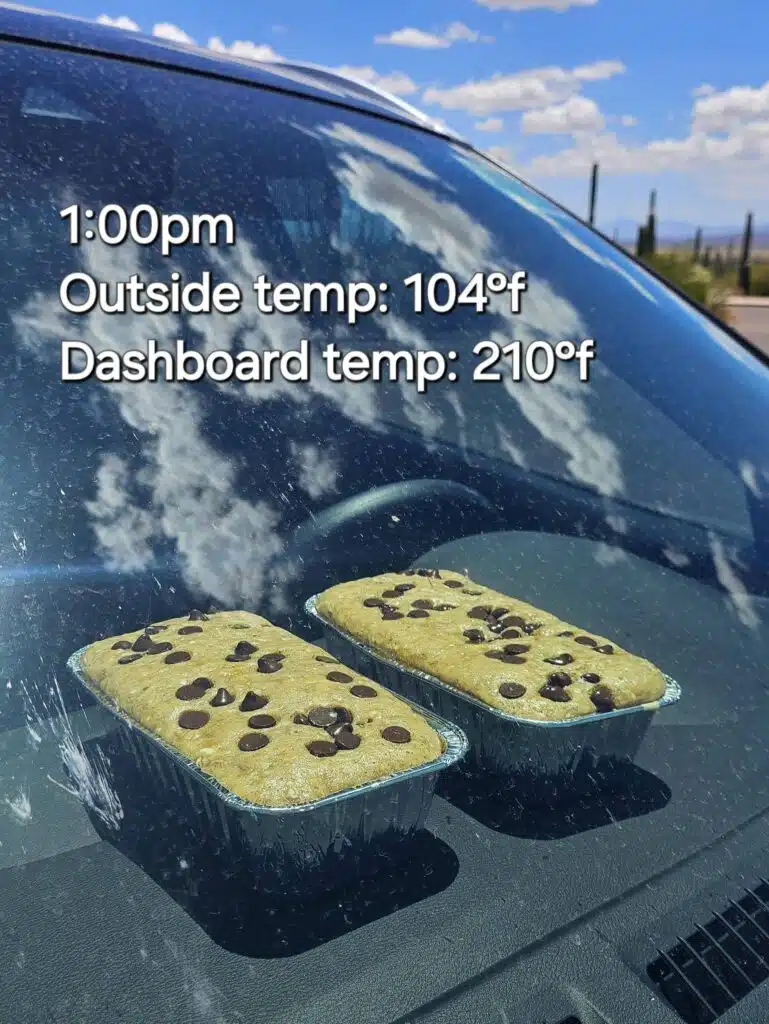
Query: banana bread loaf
(273, 719)
(503, 651)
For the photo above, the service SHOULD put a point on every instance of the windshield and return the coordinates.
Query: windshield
(621, 486)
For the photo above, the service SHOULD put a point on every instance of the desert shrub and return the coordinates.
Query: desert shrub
(759, 279)
(696, 281)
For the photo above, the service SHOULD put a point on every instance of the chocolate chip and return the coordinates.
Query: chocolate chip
(431, 574)
(270, 663)
(238, 657)
(373, 602)
(177, 657)
(474, 636)
(322, 717)
(221, 698)
(391, 593)
(128, 658)
(515, 648)
(203, 682)
(261, 722)
(509, 634)
(253, 741)
(322, 748)
(408, 572)
(560, 659)
(391, 613)
(186, 630)
(499, 612)
(559, 679)
(339, 677)
(568, 632)
(151, 630)
(444, 607)
(160, 648)
(240, 625)
(422, 603)
(142, 643)
(556, 693)
(362, 691)
(473, 593)
(403, 588)
(591, 677)
(605, 649)
(300, 719)
(418, 613)
(586, 641)
(253, 702)
(122, 645)
(244, 647)
(326, 660)
(196, 615)
(346, 739)
(531, 627)
(480, 611)
(190, 692)
(396, 734)
(512, 690)
(510, 620)
(603, 699)
(508, 659)
(193, 719)
(343, 715)
(454, 584)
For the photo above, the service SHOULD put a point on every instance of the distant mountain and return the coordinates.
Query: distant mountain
(673, 231)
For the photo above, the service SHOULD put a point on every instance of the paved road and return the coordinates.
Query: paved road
(751, 318)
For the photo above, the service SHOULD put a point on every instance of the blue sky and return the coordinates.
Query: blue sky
(672, 94)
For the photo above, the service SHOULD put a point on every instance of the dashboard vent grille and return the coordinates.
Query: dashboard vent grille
(719, 963)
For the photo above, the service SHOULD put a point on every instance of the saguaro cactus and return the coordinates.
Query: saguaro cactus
(593, 195)
(640, 244)
(697, 248)
(743, 274)
(651, 224)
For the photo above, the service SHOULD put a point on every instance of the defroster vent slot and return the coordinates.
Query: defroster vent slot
(719, 963)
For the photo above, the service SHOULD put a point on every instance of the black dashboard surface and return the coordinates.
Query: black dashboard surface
(500, 913)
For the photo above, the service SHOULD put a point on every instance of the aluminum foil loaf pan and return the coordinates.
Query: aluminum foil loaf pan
(543, 760)
(291, 851)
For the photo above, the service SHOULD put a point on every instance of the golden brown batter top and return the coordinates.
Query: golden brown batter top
(275, 720)
(505, 652)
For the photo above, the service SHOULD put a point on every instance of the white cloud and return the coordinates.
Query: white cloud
(628, 121)
(703, 90)
(732, 142)
(165, 30)
(244, 48)
(502, 154)
(491, 124)
(351, 138)
(599, 70)
(317, 471)
(729, 135)
(120, 22)
(577, 114)
(722, 111)
(532, 5)
(174, 34)
(523, 90)
(457, 32)
(396, 82)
